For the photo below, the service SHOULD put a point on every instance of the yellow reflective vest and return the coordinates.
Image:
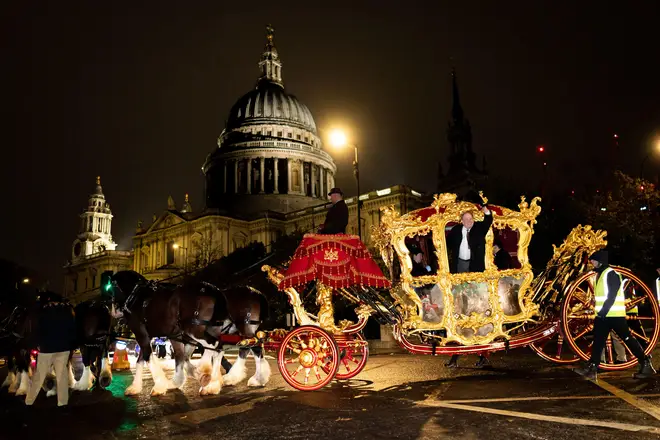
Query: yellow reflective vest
(618, 309)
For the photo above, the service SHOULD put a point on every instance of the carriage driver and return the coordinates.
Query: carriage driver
(611, 316)
(336, 219)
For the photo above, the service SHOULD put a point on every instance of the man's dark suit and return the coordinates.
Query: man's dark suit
(476, 241)
(336, 220)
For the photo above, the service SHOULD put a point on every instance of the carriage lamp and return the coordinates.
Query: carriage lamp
(26, 280)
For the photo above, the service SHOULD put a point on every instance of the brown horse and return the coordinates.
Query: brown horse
(195, 313)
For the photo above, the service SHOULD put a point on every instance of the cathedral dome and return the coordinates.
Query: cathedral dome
(269, 103)
(269, 155)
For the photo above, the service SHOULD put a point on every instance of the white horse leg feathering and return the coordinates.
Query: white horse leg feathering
(238, 371)
(215, 386)
(262, 373)
(86, 380)
(136, 386)
(161, 382)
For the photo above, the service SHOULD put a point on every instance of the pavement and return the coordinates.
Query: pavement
(397, 396)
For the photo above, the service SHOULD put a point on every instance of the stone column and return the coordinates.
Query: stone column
(302, 177)
(249, 176)
(276, 176)
(262, 162)
(224, 177)
(288, 175)
(235, 176)
(312, 176)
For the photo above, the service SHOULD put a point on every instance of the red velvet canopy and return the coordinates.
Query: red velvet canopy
(337, 260)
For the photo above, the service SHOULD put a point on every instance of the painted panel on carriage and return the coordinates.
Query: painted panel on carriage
(472, 298)
(508, 289)
(433, 305)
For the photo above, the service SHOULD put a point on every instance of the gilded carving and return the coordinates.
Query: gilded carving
(465, 329)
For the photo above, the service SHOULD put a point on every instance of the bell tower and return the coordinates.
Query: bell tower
(95, 234)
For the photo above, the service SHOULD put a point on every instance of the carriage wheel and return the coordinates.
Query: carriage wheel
(308, 358)
(578, 311)
(355, 354)
(555, 348)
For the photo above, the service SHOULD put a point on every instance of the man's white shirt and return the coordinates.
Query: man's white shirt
(464, 252)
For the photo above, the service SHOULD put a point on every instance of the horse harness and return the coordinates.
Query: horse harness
(246, 319)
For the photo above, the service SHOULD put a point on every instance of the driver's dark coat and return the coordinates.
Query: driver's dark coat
(336, 220)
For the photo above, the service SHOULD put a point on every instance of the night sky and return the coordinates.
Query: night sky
(139, 95)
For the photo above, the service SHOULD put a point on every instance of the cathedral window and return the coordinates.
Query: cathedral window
(290, 135)
(298, 136)
(279, 134)
(306, 139)
(269, 133)
(93, 281)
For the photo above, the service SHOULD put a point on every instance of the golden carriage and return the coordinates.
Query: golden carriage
(444, 313)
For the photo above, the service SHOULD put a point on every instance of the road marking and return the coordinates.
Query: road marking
(641, 405)
(523, 399)
(540, 417)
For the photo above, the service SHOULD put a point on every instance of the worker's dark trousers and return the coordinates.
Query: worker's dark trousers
(603, 327)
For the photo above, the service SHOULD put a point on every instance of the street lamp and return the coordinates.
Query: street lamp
(176, 246)
(26, 281)
(656, 149)
(338, 139)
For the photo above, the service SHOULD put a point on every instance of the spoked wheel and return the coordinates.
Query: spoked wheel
(353, 354)
(308, 358)
(555, 348)
(578, 314)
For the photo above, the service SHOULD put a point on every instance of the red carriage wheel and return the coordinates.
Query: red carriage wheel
(577, 320)
(308, 358)
(354, 353)
(555, 348)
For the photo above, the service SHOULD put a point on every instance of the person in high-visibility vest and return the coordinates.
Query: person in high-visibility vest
(611, 316)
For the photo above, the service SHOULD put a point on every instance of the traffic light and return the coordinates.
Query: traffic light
(106, 280)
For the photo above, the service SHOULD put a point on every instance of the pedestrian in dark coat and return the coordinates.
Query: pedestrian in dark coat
(56, 336)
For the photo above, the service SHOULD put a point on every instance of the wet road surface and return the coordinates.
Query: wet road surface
(397, 396)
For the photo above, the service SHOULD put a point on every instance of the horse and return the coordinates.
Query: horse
(191, 314)
(94, 336)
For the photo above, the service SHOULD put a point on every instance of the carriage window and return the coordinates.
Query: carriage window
(505, 249)
(466, 243)
(422, 254)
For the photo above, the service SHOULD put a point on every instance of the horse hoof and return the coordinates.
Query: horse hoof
(204, 380)
(132, 391)
(105, 381)
(255, 382)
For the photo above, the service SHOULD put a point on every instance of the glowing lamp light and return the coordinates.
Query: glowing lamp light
(616, 136)
(26, 280)
(108, 287)
(175, 246)
(338, 138)
(540, 148)
(641, 187)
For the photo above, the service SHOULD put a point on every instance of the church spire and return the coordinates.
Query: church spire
(456, 109)
(270, 65)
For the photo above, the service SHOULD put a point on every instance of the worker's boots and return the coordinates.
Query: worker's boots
(646, 370)
(590, 371)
